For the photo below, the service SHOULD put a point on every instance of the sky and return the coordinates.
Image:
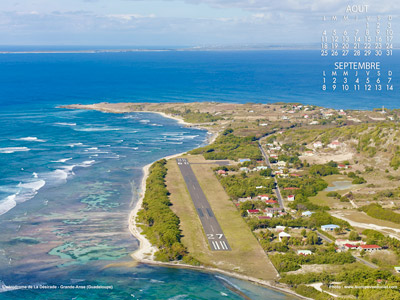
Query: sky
(174, 22)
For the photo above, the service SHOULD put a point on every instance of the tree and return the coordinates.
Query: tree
(266, 172)
(303, 232)
(312, 238)
(354, 236)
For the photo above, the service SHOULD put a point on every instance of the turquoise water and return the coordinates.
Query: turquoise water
(69, 178)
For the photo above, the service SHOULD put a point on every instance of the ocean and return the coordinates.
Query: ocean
(69, 178)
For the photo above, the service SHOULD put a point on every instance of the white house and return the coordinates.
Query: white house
(262, 168)
(369, 248)
(317, 145)
(329, 227)
(307, 213)
(280, 228)
(284, 235)
(290, 198)
(334, 145)
(304, 252)
(341, 242)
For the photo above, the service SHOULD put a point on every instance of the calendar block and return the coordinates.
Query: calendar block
(357, 47)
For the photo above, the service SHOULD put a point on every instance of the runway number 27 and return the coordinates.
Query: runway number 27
(210, 236)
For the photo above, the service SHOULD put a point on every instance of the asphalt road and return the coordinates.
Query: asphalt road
(367, 263)
(361, 260)
(212, 229)
(277, 190)
(324, 237)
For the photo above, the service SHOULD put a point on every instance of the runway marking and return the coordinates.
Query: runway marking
(209, 222)
(216, 243)
(213, 243)
(224, 246)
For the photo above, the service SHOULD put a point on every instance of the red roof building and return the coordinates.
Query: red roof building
(290, 198)
(221, 172)
(369, 248)
(263, 217)
(341, 166)
(291, 188)
(271, 201)
(253, 211)
(350, 246)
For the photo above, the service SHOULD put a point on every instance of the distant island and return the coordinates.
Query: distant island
(308, 198)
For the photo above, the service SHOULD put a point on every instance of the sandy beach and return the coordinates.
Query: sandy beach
(145, 252)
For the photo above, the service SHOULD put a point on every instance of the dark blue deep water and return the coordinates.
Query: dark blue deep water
(69, 178)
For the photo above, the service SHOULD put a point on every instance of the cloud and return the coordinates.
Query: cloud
(128, 17)
(90, 28)
(260, 22)
(298, 6)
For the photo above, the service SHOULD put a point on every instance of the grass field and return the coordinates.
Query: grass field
(247, 257)
(322, 199)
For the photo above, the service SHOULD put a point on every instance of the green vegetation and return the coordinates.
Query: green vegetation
(238, 186)
(333, 195)
(376, 211)
(371, 138)
(315, 220)
(354, 236)
(357, 276)
(356, 179)
(266, 172)
(310, 292)
(294, 159)
(323, 170)
(307, 278)
(268, 241)
(195, 116)
(395, 161)
(230, 146)
(292, 262)
(160, 224)
(375, 237)
(308, 187)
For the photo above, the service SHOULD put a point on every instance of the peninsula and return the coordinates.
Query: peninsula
(306, 198)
